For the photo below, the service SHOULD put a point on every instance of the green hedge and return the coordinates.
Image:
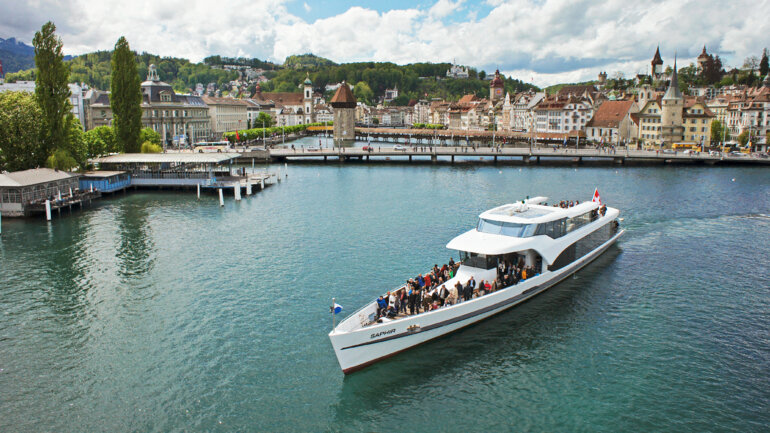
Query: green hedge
(428, 126)
(256, 133)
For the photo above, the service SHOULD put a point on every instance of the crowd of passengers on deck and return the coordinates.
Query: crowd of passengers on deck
(566, 204)
(429, 292)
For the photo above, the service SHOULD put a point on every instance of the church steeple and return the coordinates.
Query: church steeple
(673, 86)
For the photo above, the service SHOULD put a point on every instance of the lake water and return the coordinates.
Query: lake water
(153, 311)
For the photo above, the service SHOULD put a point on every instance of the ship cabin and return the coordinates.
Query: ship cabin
(545, 238)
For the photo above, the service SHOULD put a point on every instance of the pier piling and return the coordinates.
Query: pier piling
(221, 197)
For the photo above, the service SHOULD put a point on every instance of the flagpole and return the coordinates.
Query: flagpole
(334, 301)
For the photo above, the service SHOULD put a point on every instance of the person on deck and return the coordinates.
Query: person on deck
(443, 294)
(382, 305)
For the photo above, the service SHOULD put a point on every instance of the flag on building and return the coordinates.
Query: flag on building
(596, 198)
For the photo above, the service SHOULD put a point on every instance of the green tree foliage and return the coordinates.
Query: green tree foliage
(61, 160)
(743, 138)
(414, 81)
(242, 61)
(100, 141)
(95, 69)
(148, 147)
(306, 61)
(712, 71)
(20, 132)
(51, 90)
(126, 96)
(76, 143)
(257, 133)
(764, 67)
(717, 131)
(24, 75)
(363, 92)
(149, 135)
(263, 119)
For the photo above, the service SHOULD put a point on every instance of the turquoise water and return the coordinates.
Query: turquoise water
(154, 311)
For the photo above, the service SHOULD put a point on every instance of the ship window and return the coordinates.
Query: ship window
(506, 229)
(480, 261)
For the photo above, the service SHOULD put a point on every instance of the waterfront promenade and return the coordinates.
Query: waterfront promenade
(520, 155)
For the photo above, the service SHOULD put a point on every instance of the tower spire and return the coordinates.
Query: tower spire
(673, 87)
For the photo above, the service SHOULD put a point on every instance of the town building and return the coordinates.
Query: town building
(176, 117)
(522, 110)
(456, 71)
(612, 123)
(560, 114)
(421, 112)
(254, 108)
(290, 108)
(227, 114)
(391, 94)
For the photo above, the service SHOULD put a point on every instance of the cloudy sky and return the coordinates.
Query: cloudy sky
(544, 41)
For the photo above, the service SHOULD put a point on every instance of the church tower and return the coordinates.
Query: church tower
(307, 99)
(657, 65)
(672, 129)
(702, 58)
(496, 88)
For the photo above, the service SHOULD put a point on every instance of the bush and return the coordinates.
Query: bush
(148, 147)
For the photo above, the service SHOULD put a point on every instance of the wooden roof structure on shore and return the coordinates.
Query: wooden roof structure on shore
(160, 158)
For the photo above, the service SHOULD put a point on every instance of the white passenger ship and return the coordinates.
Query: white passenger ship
(556, 242)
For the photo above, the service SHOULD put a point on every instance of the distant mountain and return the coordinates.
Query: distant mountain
(16, 55)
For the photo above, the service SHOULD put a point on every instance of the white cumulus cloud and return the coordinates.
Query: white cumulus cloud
(545, 40)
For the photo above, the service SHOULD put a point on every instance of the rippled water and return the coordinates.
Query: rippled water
(157, 312)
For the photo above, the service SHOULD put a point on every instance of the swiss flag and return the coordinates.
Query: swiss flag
(596, 198)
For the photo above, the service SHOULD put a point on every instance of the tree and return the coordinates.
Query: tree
(712, 70)
(719, 132)
(100, 141)
(363, 92)
(743, 138)
(149, 134)
(20, 132)
(61, 160)
(126, 96)
(751, 62)
(764, 67)
(482, 75)
(76, 143)
(263, 117)
(51, 90)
